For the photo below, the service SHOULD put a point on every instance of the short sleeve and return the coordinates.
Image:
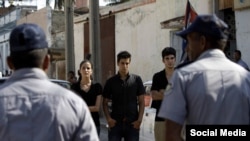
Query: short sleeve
(87, 129)
(141, 89)
(107, 89)
(154, 83)
(173, 106)
(99, 89)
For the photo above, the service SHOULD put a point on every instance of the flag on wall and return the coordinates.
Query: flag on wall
(190, 16)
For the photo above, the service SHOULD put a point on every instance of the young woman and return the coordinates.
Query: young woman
(89, 91)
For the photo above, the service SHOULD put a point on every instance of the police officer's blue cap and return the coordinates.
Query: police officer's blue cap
(209, 25)
(27, 37)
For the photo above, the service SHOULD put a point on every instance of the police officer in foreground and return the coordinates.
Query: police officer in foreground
(211, 89)
(31, 107)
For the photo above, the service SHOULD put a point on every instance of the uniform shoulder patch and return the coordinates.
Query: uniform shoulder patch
(168, 89)
(184, 64)
(169, 86)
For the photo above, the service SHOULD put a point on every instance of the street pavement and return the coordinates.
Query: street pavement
(146, 131)
(104, 130)
(104, 135)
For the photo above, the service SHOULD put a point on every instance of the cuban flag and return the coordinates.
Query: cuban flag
(190, 16)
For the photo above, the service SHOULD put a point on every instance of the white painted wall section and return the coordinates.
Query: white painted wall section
(243, 33)
(79, 44)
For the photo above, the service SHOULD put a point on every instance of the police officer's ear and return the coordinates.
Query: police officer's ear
(46, 62)
(203, 42)
(10, 64)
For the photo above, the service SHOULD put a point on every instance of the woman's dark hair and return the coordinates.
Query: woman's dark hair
(214, 43)
(71, 72)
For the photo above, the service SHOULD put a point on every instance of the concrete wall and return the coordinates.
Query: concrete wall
(79, 44)
(42, 18)
(243, 33)
(81, 3)
(55, 35)
(136, 32)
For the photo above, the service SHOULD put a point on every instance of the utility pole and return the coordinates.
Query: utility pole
(69, 36)
(94, 40)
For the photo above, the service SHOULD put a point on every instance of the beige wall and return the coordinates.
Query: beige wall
(42, 18)
(81, 3)
(138, 30)
(243, 33)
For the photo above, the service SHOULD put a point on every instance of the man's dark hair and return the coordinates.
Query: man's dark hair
(168, 51)
(238, 52)
(213, 42)
(217, 43)
(123, 55)
(72, 72)
(29, 59)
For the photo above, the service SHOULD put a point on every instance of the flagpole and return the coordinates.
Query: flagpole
(184, 54)
(190, 15)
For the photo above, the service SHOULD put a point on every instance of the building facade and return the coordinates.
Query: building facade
(135, 26)
(52, 22)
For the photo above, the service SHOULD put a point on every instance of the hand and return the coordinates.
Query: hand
(111, 123)
(137, 124)
(162, 91)
(154, 95)
(157, 95)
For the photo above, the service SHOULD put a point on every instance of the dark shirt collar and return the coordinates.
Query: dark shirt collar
(119, 75)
